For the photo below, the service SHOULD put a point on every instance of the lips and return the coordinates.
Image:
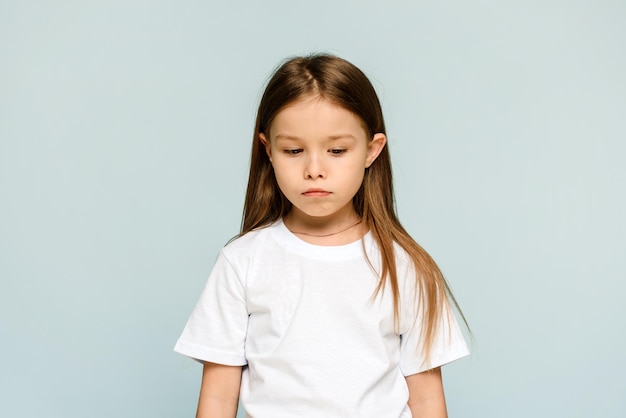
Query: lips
(314, 192)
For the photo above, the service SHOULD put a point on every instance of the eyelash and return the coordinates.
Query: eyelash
(296, 151)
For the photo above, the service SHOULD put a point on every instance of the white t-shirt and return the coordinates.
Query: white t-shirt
(304, 321)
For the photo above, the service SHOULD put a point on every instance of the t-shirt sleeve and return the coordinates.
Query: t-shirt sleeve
(216, 330)
(448, 344)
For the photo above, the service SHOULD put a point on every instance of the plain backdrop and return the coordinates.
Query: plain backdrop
(125, 131)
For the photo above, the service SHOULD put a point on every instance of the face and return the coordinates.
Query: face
(319, 152)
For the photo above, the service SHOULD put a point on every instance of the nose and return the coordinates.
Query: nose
(314, 167)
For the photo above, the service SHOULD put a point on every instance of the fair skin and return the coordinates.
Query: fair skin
(426, 398)
(219, 391)
(319, 152)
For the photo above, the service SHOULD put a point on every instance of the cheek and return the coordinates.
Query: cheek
(355, 179)
(283, 177)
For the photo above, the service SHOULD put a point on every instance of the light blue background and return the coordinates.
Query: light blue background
(125, 130)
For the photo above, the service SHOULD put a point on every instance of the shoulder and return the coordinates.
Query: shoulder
(247, 244)
(402, 256)
(408, 275)
(373, 251)
(405, 264)
(244, 253)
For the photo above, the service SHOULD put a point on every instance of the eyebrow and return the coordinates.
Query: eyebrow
(331, 137)
(284, 136)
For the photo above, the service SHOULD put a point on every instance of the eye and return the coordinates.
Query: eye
(337, 151)
(293, 151)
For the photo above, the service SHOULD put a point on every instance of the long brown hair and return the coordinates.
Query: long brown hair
(342, 83)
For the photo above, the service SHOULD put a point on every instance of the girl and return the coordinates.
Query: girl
(323, 305)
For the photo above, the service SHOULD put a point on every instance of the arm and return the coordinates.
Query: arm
(426, 399)
(219, 393)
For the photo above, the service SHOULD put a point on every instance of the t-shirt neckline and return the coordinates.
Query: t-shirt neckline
(293, 243)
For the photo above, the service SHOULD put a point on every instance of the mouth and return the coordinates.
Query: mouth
(314, 192)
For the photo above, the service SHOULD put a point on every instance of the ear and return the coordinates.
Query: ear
(266, 144)
(374, 148)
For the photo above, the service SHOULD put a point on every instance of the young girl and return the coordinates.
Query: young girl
(323, 306)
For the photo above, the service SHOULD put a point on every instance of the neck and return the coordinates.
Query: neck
(328, 234)
(324, 232)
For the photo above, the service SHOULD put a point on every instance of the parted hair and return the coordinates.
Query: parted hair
(342, 83)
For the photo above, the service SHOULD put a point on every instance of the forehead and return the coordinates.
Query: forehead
(316, 116)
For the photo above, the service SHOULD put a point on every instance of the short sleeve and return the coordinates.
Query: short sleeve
(448, 344)
(216, 330)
